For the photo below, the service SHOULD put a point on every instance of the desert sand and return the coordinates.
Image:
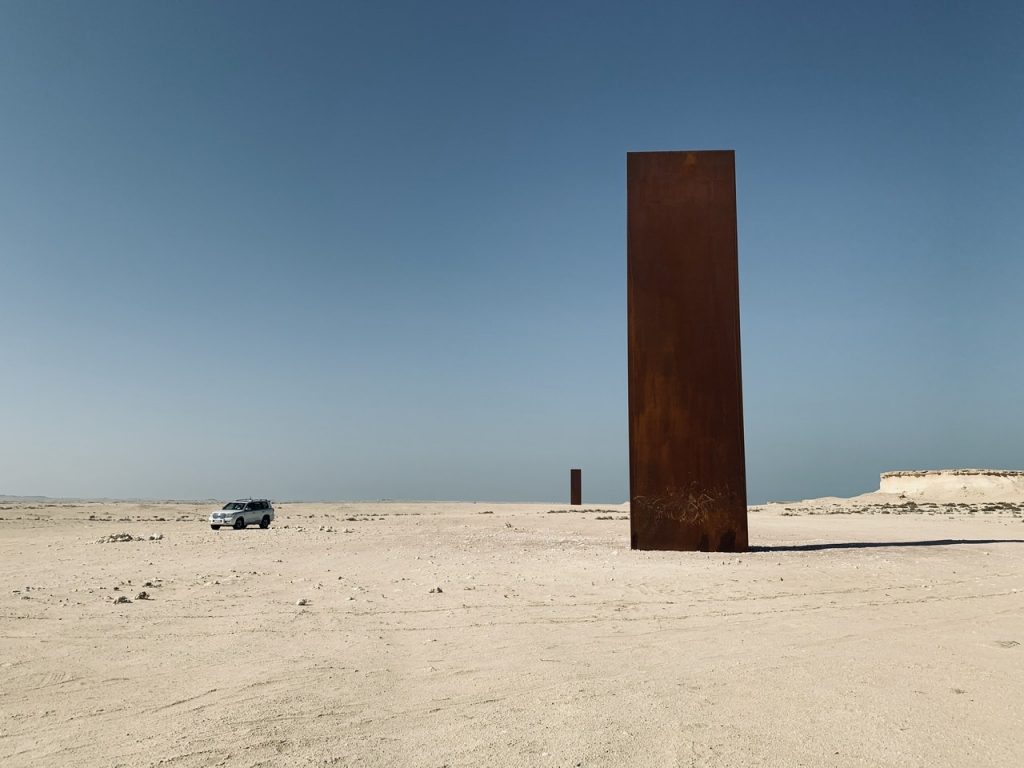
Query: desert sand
(877, 631)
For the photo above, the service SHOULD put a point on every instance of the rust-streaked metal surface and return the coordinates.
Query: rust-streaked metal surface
(686, 465)
(576, 486)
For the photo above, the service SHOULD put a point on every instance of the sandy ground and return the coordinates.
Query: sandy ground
(863, 635)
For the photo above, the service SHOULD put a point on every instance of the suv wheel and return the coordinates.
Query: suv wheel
(239, 523)
(265, 522)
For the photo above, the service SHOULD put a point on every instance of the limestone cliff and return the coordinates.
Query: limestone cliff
(955, 484)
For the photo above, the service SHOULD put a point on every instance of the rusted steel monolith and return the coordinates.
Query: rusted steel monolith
(576, 486)
(686, 466)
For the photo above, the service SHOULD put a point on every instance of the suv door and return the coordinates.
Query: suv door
(251, 513)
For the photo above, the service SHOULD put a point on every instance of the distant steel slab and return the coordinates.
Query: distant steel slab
(576, 486)
(686, 462)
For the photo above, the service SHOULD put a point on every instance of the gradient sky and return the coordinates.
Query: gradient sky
(377, 250)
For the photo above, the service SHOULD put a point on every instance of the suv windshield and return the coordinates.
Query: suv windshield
(234, 505)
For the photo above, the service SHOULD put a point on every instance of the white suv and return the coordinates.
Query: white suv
(243, 512)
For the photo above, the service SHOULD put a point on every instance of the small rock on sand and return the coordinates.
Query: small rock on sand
(116, 537)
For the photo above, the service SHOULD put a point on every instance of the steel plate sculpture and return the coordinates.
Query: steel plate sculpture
(686, 461)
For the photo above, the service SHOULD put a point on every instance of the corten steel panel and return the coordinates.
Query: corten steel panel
(575, 486)
(686, 467)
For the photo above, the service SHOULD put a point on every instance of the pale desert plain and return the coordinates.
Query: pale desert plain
(884, 630)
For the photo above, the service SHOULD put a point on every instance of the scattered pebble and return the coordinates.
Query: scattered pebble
(302, 601)
(436, 591)
(142, 596)
(119, 537)
(121, 599)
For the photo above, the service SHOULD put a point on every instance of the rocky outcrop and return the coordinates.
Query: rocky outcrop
(955, 484)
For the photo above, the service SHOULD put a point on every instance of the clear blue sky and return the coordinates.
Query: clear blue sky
(377, 249)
